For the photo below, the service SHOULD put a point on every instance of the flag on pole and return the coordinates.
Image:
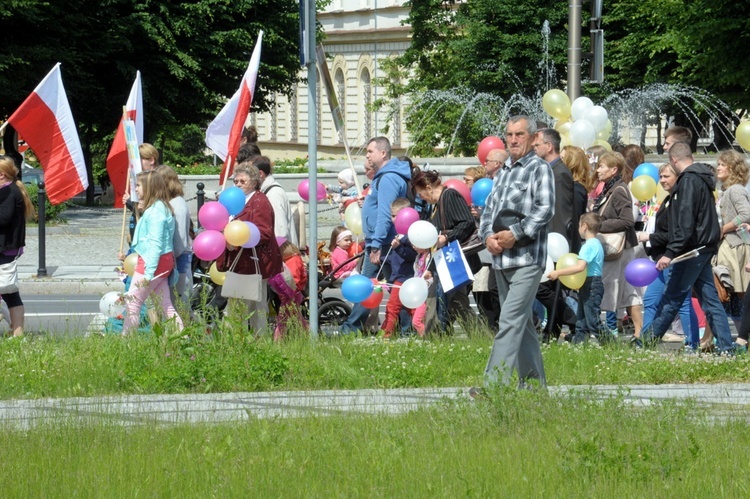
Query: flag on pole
(117, 160)
(225, 131)
(46, 123)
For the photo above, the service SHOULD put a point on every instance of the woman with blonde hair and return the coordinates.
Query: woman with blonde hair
(472, 174)
(15, 209)
(182, 243)
(580, 169)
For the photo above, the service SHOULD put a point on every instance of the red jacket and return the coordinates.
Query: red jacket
(260, 212)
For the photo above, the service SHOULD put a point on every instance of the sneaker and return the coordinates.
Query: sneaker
(614, 332)
(636, 342)
(477, 393)
(739, 349)
(673, 338)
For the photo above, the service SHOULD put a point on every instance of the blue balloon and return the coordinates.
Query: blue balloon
(233, 199)
(647, 169)
(356, 288)
(480, 191)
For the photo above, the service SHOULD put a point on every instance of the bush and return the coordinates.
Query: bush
(51, 212)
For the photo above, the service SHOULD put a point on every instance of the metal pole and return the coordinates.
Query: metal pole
(312, 155)
(41, 205)
(574, 49)
(201, 198)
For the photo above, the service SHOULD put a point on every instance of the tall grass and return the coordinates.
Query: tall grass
(514, 444)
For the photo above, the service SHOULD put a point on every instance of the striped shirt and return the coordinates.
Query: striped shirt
(527, 186)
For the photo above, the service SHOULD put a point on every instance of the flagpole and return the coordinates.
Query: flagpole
(225, 172)
(125, 212)
(2, 127)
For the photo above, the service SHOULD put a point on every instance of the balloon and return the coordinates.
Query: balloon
(574, 281)
(604, 144)
(112, 305)
(597, 116)
(579, 107)
(279, 239)
(641, 272)
(216, 276)
(375, 298)
(549, 267)
(557, 245)
(605, 132)
(480, 191)
(461, 187)
(643, 188)
(356, 288)
(209, 245)
(413, 292)
(404, 218)
(321, 191)
(236, 233)
(488, 144)
(582, 134)
(557, 104)
(303, 189)
(233, 199)
(660, 193)
(422, 234)
(213, 216)
(353, 218)
(563, 126)
(649, 169)
(128, 265)
(742, 134)
(254, 238)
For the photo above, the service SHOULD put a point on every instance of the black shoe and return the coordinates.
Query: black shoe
(477, 393)
(636, 342)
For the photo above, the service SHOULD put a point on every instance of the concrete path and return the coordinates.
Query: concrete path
(729, 400)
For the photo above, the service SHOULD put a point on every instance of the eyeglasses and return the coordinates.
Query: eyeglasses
(539, 144)
(241, 181)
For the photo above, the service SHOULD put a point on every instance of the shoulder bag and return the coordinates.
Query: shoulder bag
(612, 242)
(473, 244)
(243, 286)
(9, 277)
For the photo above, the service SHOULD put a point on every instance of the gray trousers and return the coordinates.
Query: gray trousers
(516, 345)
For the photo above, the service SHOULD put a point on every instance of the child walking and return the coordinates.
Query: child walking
(341, 241)
(590, 259)
(402, 257)
(288, 286)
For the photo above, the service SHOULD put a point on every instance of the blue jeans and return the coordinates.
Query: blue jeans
(611, 320)
(695, 274)
(651, 300)
(588, 316)
(359, 314)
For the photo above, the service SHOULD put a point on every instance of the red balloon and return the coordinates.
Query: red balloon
(461, 187)
(374, 299)
(488, 144)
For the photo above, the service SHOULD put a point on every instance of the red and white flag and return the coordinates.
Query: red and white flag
(225, 131)
(117, 160)
(45, 122)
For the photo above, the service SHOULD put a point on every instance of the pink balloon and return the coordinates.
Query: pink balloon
(321, 191)
(404, 219)
(209, 245)
(303, 189)
(488, 144)
(461, 187)
(254, 238)
(213, 216)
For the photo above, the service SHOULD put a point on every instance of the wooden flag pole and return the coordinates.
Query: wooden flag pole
(125, 213)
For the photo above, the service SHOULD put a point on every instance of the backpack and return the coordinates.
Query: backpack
(423, 208)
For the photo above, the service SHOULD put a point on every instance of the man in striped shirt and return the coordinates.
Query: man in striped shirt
(524, 184)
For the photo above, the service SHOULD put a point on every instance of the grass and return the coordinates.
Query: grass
(514, 444)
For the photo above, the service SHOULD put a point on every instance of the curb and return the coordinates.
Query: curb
(50, 286)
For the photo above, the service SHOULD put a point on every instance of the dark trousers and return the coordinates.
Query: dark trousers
(563, 314)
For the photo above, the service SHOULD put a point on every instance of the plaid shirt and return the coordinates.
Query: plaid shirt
(527, 186)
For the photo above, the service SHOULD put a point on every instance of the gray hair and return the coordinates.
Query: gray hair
(383, 144)
(530, 124)
(251, 171)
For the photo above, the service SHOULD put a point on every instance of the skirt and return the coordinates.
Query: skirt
(619, 293)
(734, 258)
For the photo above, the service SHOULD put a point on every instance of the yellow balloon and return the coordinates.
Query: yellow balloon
(353, 218)
(216, 276)
(237, 232)
(128, 265)
(643, 187)
(605, 132)
(557, 104)
(564, 140)
(604, 144)
(660, 193)
(743, 135)
(574, 281)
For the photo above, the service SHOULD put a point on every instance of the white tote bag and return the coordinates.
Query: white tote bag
(243, 286)
(9, 277)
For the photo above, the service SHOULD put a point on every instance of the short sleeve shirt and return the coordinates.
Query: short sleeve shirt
(593, 253)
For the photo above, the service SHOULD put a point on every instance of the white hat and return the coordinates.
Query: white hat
(347, 177)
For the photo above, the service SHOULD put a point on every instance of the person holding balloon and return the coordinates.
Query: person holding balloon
(591, 261)
(341, 241)
(153, 242)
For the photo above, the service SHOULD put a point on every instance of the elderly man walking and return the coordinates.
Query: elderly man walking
(523, 186)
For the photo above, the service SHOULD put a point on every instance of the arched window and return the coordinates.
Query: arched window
(293, 116)
(366, 88)
(340, 85)
(318, 95)
(274, 119)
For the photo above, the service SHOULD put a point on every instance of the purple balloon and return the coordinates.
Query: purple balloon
(321, 191)
(404, 219)
(254, 238)
(641, 272)
(280, 240)
(209, 245)
(213, 216)
(304, 190)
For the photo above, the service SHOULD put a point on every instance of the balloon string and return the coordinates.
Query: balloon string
(383, 264)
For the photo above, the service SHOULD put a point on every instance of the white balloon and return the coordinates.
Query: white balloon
(557, 246)
(579, 107)
(597, 116)
(422, 234)
(549, 267)
(112, 304)
(413, 292)
(582, 134)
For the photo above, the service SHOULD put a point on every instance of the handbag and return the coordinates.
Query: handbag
(613, 243)
(452, 268)
(9, 277)
(473, 244)
(243, 286)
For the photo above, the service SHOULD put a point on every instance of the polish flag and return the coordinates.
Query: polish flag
(225, 131)
(117, 160)
(46, 124)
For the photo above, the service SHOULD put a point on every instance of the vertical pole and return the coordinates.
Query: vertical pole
(201, 198)
(574, 49)
(41, 205)
(312, 154)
